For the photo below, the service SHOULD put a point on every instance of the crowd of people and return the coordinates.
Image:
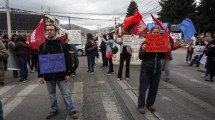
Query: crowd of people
(153, 63)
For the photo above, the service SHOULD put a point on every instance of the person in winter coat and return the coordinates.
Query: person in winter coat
(210, 63)
(102, 49)
(90, 50)
(150, 74)
(22, 51)
(190, 46)
(53, 45)
(3, 56)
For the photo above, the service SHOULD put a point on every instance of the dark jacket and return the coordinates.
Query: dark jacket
(54, 47)
(21, 49)
(210, 52)
(151, 63)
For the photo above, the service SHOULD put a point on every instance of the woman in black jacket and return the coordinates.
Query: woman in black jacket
(210, 64)
(149, 75)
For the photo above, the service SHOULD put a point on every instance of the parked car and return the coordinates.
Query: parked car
(81, 49)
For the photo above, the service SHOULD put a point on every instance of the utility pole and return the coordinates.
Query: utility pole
(8, 19)
(115, 19)
(69, 24)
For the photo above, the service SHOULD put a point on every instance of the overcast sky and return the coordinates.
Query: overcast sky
(115, 8)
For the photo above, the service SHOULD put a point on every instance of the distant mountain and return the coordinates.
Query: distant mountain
(76, 27)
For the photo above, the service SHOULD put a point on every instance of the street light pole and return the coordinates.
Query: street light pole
(8, 19)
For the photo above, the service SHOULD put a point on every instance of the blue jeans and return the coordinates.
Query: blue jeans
(91, 61)
(65, 92)
(1, 111)
(23, 67)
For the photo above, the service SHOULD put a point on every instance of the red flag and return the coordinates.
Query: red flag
(159, 23)
(37, 36)
(132, 19)
(139, 29)
(63, 38)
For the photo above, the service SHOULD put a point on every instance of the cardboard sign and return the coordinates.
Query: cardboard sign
(74, 36)
(52, 63)
(156, 42)
(130, 40)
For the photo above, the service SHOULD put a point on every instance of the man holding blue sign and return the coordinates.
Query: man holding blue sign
(55, 69)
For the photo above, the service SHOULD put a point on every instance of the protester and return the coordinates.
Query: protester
(74, 59)
(190, 46)
(13, 41)
(102, 47)
(3, 56)
(149, 75)
(125, 55)
(109, 54)
(165, 63)
(210, 63)
(34, 59)
(52, 46)
(198, 52)
(90, 50)
(22, 51)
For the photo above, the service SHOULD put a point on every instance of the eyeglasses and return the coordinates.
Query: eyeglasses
(50, 30)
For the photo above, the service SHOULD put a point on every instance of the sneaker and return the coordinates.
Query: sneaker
(92, 73)
(73, 75)
(32, 71)
(151, 109)
(52, 114)
(21, 80)
(118, 79)
(185, 61)
(74, 114)
(141, 110)
(189, 62)
(127, 79)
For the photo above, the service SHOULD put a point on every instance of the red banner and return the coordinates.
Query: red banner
(139, 29)
(37, 37)
(132, 19)
(156, 42)
(159, 23)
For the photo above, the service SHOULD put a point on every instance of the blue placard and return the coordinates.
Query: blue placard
(52, 63)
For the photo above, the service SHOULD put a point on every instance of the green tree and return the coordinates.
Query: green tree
(174, 11)
(132, 8)
(206, 16)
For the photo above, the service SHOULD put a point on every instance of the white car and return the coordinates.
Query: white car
(80, 49)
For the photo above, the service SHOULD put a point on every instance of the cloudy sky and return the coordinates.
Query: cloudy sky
(99, 9)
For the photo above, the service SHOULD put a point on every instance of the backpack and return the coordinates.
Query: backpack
(115, 49)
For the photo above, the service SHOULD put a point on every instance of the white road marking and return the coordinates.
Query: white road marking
(6, 89)
(110, 108)
(194, 99)
(19, 97)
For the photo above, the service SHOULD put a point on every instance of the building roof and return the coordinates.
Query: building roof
(20, 21)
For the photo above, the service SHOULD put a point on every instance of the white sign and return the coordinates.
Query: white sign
(130, 40)
(175, 35)
(74, 36)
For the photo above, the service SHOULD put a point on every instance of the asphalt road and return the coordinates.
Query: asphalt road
(102, 97)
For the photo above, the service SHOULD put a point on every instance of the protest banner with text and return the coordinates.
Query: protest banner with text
(156, 42)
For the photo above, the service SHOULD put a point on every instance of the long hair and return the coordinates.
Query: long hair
(110, 36)
(13, 36)
(89, 36)
(21, 39)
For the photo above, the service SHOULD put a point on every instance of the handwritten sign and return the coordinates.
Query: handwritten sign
(74, 36)
(130, 40)
(156, 42)
(52, 63)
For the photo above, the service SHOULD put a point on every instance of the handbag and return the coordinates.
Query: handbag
(52, 63)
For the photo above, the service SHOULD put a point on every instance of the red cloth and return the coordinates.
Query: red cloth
(132, 19)
(109, 55)
(139, 29)
(159, 23)
(36, 38)
(172, 48)
(63, 38)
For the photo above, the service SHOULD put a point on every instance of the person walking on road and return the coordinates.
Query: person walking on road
(190, 46)
(102, 49)
(109, 54)
(210, 63)
(52, 46)
(150, 74)
(90, 50)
